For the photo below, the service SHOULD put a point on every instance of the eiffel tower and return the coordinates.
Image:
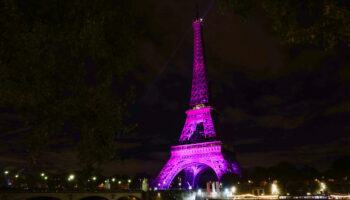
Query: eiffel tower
(199, 147)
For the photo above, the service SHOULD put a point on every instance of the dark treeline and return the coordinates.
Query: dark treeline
(296, 180)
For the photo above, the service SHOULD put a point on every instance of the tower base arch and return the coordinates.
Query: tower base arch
(194, 159)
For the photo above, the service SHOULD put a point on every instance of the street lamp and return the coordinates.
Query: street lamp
(226, 192)
(6, 172)
(233, 190)
(71, 177)
(274, 189)
(42, 174)
(94, 178)
(323, 187)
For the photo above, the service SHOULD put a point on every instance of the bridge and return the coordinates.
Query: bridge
(71, 195)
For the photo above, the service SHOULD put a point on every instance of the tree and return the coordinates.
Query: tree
(62, 70)
(340, 167)
(322, 23)
(229, 179)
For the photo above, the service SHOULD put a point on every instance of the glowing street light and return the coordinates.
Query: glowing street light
(233, 189)
(16, 176)
(94, 178)
(45, 177)
(6, 172)
(129, 181)
(42, 174)
(323, 187)
(71, 177)
(119, 182)
(274, 189)
(113, 179)
(226, 191)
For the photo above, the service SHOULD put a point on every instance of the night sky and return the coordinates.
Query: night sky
(275, 103)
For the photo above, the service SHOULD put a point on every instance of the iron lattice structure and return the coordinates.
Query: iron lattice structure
(199, 91)
(199, 149)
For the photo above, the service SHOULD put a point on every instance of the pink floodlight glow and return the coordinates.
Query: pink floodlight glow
(198, 151)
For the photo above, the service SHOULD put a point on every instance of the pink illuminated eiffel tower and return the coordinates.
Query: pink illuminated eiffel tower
(199, 149)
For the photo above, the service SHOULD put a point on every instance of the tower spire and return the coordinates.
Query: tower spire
(199, 91)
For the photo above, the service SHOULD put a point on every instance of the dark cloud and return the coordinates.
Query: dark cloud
(340, 108)
(280, 121)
